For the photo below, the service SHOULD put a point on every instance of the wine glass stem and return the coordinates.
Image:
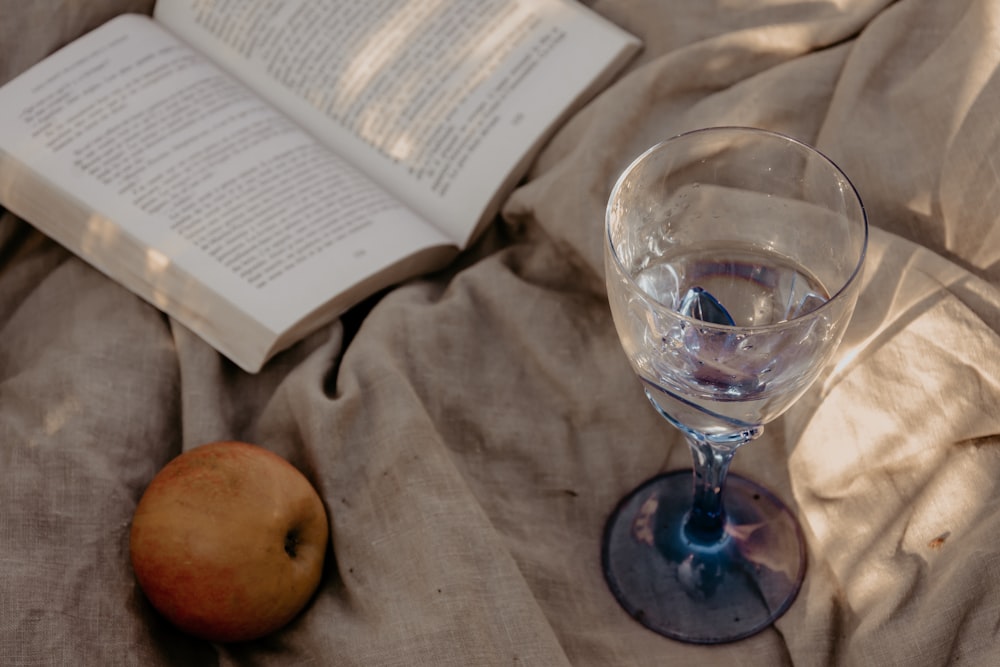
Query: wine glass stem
(706, 521)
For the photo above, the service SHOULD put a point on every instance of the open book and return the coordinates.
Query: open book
(254, 168)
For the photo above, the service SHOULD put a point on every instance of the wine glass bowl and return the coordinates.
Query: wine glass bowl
(732, 258)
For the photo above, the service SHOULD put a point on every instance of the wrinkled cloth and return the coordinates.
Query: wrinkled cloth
(470, 431)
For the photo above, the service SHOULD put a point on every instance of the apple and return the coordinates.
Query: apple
(228, 541)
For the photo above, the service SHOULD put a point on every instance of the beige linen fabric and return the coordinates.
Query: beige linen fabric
(469, 432)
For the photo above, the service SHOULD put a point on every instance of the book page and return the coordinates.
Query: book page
(168, 149)
(439, 100)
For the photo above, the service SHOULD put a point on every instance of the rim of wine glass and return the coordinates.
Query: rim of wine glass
(812, 314)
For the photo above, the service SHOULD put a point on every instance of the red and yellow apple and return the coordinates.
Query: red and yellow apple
(228, 541)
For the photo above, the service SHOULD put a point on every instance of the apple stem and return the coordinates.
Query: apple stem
(291, 541)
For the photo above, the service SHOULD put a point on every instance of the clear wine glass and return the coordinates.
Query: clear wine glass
(732, 259)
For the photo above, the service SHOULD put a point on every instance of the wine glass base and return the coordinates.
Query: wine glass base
(703, 594)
